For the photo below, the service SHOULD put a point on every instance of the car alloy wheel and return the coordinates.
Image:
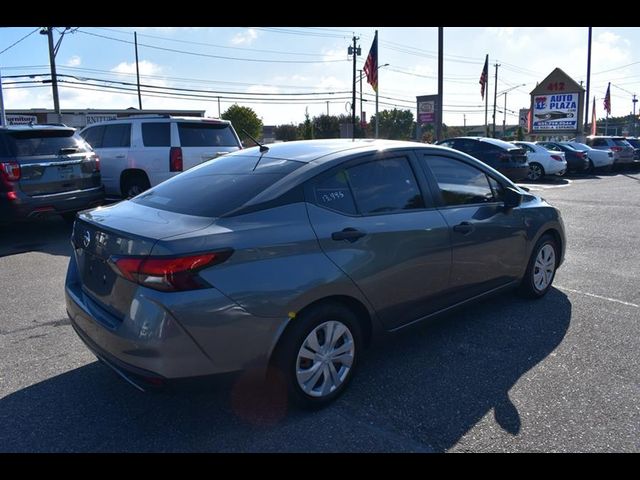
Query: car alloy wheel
(544, 267)
(325, 359)
(535, 172)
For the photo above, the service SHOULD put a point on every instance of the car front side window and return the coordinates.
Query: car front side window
(460, 183)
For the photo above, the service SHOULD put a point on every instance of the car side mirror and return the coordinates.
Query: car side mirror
(512, 197)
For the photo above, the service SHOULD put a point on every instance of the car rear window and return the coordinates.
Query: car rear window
(620, 142)
(26, 143)
(217, 187)
(194, 134)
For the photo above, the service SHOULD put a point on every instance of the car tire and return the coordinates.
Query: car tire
(541, 269)
(591, 169)
(536, 172)
(316, 364)
(134, 184)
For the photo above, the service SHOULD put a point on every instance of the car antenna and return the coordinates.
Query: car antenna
(263, 148)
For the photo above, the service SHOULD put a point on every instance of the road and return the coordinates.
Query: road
(506, 375)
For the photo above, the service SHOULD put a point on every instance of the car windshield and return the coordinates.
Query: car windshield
(576, 145)
(27, 143)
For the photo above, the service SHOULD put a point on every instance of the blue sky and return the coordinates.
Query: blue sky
(303, 60)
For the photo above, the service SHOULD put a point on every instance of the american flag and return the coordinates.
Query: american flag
(607, 99)
(483, 77)
(371, 65)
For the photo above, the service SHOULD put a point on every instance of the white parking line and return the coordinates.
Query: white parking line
(597, 296)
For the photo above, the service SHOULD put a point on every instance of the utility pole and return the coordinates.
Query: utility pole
(218, 107)
(504, 118)
(586, 105)
(48, 31)
(635, 100)
(3, 117)
(355, 51)
(135, 40)
(327, 108)
(440, 76)
(464, 129)
(495, 98)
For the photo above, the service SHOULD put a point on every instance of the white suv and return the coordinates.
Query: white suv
(139, 152)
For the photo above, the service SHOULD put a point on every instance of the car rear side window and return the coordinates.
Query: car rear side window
(460, 183)
(599, 142)
(334, 193)
(384, 186)
(156, 134)
(26, 143)
(118, 135)
(193, 134)
(93, 136)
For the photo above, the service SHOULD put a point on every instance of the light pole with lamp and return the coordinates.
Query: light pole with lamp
(504, 120)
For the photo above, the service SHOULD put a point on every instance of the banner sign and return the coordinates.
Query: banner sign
(99, 118)
(21, 119)
(555, 112)
(427, 108)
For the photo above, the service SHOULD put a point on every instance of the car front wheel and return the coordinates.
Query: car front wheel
(541, 269)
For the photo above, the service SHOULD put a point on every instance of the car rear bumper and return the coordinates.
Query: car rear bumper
(152, 343)
(25, 206)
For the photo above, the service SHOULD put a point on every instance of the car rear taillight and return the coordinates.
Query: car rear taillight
(175, 159)
(10, 171)
(168, 274)
(96, 159)
(616, 149)
(557, 157)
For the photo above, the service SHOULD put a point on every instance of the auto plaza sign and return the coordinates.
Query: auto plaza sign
(557, 106)
(555, 112)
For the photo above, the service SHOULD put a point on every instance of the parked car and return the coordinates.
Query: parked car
(622, 150)
(505, 157)
(141, 151)
(46, 169)
(577, 160)
(542, 161)
(598, 159)
(295, 258)
(635, 143)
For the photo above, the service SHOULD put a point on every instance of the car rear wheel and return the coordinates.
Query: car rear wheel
(591, 168)
(318, 354)
(541, 269)
(134, 184)
(536, 171)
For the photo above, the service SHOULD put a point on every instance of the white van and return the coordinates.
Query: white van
(141, 151)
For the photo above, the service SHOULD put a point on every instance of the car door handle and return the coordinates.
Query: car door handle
(350, 234)
(121, 156)
(464, 228)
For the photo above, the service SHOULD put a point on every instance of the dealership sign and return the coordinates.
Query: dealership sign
(92, 118)
(555, 111)
(426, 108)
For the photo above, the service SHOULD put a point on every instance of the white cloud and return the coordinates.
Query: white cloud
(334, 54)
(245, 38)
(146, 68)
(74, 61)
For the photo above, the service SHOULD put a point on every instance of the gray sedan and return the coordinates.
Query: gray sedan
(291, 259)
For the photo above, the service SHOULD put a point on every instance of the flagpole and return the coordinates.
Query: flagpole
(378, 80)
(3, 118)
(486, 101)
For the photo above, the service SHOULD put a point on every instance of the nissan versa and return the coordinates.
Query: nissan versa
(294, 257)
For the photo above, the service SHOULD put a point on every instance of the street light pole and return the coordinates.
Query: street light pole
(504, 118)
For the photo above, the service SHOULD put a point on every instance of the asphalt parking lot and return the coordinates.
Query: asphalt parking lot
(506, 375)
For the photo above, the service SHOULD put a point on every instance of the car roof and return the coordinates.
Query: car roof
(309, 150)
(493, 141)
(34, 127)
(161, 117)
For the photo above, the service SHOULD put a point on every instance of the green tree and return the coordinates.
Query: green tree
(326, 126)
(520, 134)
(244, 118)
(287, 132)
(394, 124)
(306, 128)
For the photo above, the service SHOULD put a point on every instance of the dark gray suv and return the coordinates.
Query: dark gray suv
(46, 169)
(292, 259)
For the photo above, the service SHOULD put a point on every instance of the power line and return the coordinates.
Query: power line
(185, 52)
(17, 42)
